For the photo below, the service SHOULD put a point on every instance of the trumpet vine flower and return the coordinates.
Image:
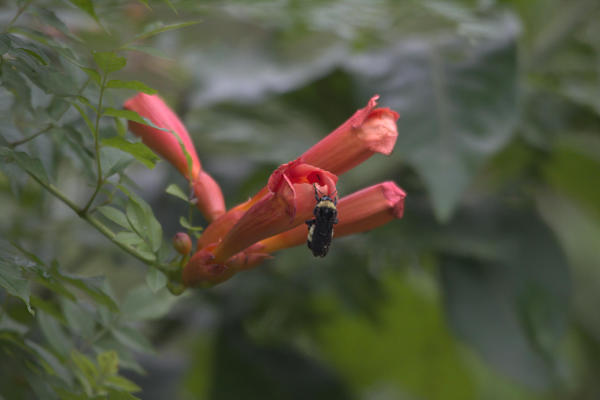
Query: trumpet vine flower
(175, 145)
(274, 218)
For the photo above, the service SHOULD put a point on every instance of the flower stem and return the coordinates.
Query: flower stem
(103, 229)
(100, 180)
(16, 143)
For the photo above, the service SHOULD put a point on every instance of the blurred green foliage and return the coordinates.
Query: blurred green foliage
(487, 289)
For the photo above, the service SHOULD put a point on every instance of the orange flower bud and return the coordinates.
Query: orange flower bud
(182, 243)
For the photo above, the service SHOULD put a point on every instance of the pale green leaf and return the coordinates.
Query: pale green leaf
(155, 279)
(109, 61)
(115, 215)
(176, 191)
(132, 85)
(140, 151)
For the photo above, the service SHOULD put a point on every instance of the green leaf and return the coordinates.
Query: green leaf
(514, 296)
(54, 334)
(113, 160)
(93, 74)
(115, 215)
(90, 286)
(459, 101)
(133, 85)
(87, 372)
(171, 6)
(129, 238)
(155, 279)
(109, 61)
(119, 382)
(127, 114)
(85, 117)
(157, 28)
(186, 224)
(78, 318)
(32, 165)
(49, 308)
(50, 18)
(86, 6)
(176, 191)
(13, 281)
(142, 304)
(142, 220)
(140, 151)
(108, 361)
(132, 338)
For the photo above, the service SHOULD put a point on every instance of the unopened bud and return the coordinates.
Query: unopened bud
(182, 243)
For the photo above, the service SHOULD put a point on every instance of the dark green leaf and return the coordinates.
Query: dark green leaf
(13, 281)
(93, 74)
(109, 61)
(49, 308)
(54, 334)
(139, 150)
(32, 165)
(90, 286)
(78, 318)
(458, 102)
(133, 85)
(86, 6)
(515, 296)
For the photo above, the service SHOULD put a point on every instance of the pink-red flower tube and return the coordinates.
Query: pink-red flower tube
(167, 144)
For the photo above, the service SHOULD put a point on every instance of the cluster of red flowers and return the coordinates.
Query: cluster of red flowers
(273, 219)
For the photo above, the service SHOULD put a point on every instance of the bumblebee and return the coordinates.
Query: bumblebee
(320, 228)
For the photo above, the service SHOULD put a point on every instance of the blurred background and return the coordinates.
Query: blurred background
(489, 286)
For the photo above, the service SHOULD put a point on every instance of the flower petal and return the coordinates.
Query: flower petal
(370, 130)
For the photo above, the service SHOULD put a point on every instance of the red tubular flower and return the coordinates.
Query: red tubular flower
(208, 193)
(361, 211)
(288, 203)
(370, 130)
